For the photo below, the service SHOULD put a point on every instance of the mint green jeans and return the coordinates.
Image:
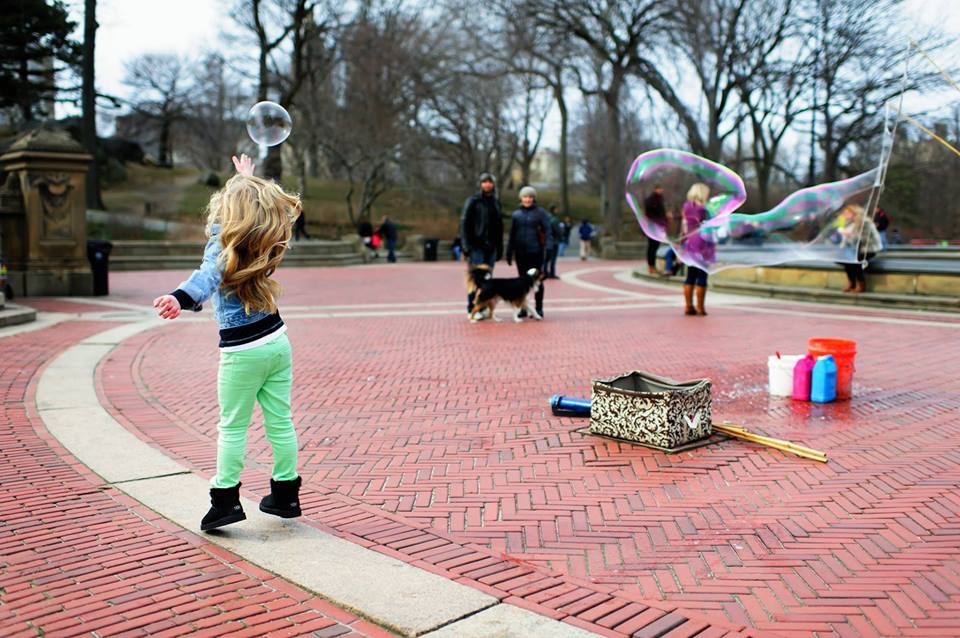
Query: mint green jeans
(263, 375)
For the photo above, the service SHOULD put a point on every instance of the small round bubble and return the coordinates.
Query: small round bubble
(268, 123)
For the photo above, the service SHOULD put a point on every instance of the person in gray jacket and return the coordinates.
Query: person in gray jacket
(529, 229)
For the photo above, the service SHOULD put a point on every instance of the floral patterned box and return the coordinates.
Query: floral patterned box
(651, 410)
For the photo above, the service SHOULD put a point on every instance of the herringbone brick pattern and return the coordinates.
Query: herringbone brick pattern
(78, 557)
(445, 425)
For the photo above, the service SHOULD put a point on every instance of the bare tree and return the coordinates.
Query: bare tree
(159, 83)
(616, 33)
(283, 29)
(465, 120)
(862, 69)
(89, 102)
(722, 41)
(522, 46)
(215, 114)
(532, 112)
(383, 51)
(770, 68)
(773, 99)
(313, 103)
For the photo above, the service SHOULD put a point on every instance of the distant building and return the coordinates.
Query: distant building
(544, 170)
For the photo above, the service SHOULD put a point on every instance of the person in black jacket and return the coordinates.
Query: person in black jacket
(656, 212)
(481, 227)
(529, 227)
(388, 233)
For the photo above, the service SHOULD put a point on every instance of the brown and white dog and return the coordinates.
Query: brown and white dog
(489, 290)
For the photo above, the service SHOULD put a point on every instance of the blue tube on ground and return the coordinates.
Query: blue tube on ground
(569, 406)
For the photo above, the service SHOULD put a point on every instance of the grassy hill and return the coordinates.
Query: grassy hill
(177, 195)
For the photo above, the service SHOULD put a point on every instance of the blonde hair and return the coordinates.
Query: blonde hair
(698, 193)
(256, 220)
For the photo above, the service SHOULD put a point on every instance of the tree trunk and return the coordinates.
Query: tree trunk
(564, 152)
(165, 155)
(273, 165)
(89, 101)
(614, 177)
(26, 110)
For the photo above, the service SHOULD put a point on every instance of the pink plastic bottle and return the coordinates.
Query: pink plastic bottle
(802, 372)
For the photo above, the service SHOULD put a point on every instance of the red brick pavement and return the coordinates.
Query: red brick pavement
(79, 557)
(427, 437)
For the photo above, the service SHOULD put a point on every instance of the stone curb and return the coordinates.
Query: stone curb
(389, 592)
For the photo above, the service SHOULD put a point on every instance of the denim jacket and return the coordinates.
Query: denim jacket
(204, 284)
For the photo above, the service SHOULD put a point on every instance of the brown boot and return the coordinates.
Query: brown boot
(688, 299)
(701, 295)
(861, 287)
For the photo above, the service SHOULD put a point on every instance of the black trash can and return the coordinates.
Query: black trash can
(98, 254)
(430, 249)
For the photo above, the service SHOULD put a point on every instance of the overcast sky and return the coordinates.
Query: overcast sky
(129, 28)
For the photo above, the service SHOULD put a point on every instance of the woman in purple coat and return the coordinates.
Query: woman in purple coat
(697, 247)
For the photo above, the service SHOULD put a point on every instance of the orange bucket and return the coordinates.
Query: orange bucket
(844, 351)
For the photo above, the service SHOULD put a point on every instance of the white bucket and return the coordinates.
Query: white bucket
(781, 374)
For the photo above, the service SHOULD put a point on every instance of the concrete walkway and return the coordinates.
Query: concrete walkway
(440, 496)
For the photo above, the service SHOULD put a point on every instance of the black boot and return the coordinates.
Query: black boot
(226, 508)
(283, 499)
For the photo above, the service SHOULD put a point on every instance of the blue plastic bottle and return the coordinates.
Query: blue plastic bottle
(823, 381)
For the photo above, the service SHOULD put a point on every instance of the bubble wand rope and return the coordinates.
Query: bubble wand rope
(945, 75)
(949, 80)
(886, 149)
(923, 128)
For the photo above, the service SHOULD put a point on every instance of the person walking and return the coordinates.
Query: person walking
(859, 230)
(249, 225)
(300, 227)
(388, 233)
(567, 227)
(882, 221)
(696, 247)
(368, 237)
(656, 212)
(481, 227)
(554, 237)
(529, 228)
(586, 234)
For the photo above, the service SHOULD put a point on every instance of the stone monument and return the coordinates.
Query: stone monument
(43, 226)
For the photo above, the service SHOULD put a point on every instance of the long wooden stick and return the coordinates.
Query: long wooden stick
(741, 432)
(785, 446)
(745, 434)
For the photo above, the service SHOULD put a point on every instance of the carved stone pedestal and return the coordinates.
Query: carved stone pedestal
(44, 239)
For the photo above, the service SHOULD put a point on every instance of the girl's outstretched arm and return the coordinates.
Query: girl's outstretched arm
(167, 306)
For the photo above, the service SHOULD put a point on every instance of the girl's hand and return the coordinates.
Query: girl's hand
(167, 307)
(244, 165)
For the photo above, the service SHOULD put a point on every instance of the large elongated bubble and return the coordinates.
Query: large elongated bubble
(828, 222)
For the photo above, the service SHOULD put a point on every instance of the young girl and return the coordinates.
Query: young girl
(249, 224)
(697, 246)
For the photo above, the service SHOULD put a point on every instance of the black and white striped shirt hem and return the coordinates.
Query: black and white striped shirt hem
(253, 334)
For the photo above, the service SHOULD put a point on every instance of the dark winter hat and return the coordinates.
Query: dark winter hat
(487, 177)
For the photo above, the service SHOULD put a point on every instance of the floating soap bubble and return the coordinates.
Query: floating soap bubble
(693, 211)
(268, 123)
